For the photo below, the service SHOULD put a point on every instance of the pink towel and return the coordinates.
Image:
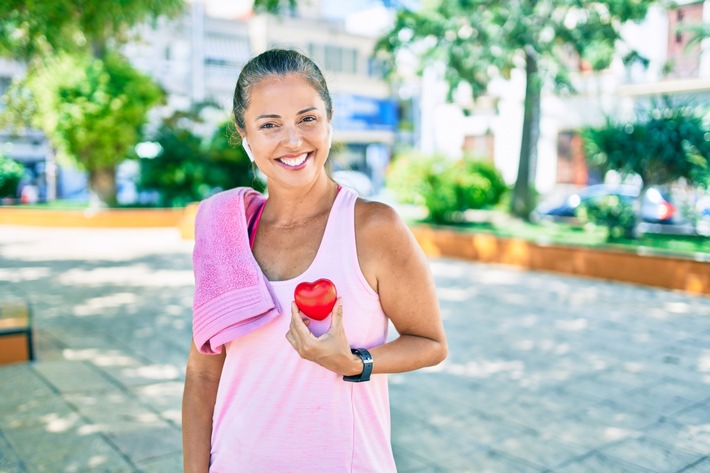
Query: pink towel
(232, 295)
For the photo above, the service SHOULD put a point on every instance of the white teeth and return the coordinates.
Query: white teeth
(293, 162)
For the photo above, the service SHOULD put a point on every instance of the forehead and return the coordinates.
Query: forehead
(291, 91)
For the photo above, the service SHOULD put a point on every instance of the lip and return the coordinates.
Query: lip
(292, 156)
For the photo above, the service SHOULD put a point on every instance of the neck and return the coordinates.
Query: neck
(288, 207)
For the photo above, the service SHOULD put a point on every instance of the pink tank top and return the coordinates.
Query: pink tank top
(276, 412)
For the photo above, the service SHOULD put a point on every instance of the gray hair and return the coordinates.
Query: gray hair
(280, 63)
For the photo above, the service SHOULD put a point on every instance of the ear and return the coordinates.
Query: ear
(247, 148)
(330, 135)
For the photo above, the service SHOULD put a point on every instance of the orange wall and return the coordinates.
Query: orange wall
(659, 271)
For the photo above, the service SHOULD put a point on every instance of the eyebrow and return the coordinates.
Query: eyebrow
(279, 116)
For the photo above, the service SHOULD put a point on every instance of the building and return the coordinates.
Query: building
(198, 56)
(492, 126)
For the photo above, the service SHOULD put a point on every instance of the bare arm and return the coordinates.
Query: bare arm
(201, 382)
(395, 266)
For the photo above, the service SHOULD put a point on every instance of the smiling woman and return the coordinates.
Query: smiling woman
(267, 387)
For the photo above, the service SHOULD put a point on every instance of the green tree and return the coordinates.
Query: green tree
(478, 40)
(33, 29)
(189, 168)
(11, 173)
(78, 90)
(92, 110)
(661, 144)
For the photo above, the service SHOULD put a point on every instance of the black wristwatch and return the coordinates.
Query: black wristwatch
(366, 366)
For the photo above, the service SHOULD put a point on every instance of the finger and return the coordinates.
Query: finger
(297, 323)
(337, 314)
(291, 339)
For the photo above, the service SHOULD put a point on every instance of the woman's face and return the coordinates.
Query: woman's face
(287, 129)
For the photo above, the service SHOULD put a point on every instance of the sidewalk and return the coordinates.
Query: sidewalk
(546, 373)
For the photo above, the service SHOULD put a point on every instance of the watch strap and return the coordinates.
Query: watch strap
(367, 362)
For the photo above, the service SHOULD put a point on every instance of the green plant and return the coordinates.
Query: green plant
(662, 144)
(407, 175)
(612, 212)
(190, 168)
(11, 173)
(446, 187)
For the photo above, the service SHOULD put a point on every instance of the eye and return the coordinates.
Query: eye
(267, 126)
(309, 118)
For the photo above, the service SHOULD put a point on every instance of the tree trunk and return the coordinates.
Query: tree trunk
(523, 199)
(102, 184)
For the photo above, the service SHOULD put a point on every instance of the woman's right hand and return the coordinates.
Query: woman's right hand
(331, 350)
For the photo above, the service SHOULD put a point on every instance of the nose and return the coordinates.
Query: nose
(292, 137)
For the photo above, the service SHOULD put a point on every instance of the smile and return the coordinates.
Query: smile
(295, 161)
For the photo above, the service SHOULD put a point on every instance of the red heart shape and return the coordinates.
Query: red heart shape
(316, 299)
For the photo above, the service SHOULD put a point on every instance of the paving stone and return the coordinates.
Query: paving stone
(541, 449)
(696, 414)
(50, 412)
(165, 464)
(598, 425)
(71, 450)
(598, 463)
(163, 398)
(114, 411)
(69, 376)
(651, 454)
(585, 433)
(694, 438)
(702, 466)
(10, 462)
(410, 461)
(657, 398)
(141, 443)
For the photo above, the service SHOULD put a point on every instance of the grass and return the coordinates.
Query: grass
(505, 226)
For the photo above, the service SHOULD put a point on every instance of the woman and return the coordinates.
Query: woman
(277, 398)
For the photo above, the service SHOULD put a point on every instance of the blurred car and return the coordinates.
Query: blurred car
(656, 206)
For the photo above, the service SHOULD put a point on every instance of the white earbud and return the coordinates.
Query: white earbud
(330, 135)
(247, 149)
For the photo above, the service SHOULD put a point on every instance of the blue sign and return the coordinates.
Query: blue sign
(359, 113)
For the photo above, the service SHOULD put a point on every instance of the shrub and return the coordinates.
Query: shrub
(446, 187)
(612, 212)
(407, 176)
(11, 173)
(190, 168)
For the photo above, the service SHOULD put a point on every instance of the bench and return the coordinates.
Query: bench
(15, 326)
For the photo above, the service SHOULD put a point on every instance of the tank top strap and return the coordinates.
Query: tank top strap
(339, 237)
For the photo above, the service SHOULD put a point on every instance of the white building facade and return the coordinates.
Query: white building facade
(493, 126)
(198, 56)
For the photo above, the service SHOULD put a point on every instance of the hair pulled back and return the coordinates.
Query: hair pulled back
(280, 63)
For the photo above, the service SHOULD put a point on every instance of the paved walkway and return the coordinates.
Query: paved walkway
(546, 373)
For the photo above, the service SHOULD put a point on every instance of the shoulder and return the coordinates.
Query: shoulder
(226, 201)
(379, 227)
(370, 214)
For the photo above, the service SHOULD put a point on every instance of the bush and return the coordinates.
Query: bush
(612, 212)
(407, 176)
(190, 168)
(11, 173)
(446, 187)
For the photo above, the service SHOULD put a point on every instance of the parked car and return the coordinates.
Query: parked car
(656, 206)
